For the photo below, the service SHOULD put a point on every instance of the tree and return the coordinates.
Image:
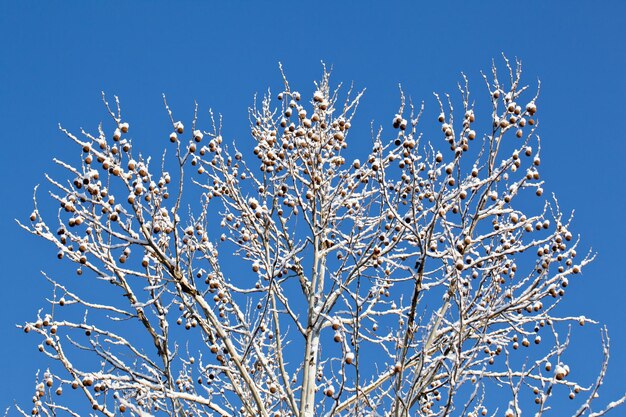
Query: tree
(403, 284)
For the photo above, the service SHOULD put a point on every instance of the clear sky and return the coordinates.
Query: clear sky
(56, 58)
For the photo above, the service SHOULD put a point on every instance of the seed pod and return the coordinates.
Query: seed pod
(559, 373)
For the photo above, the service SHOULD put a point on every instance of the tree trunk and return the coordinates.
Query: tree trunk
(307, 404)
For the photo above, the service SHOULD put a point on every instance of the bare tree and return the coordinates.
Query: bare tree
(415, 281)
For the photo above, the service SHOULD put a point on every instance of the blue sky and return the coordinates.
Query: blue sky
(56, 58)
